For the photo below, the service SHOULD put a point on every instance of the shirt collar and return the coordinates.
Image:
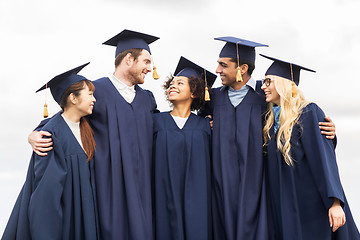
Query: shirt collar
(120, 85)
(251, 83)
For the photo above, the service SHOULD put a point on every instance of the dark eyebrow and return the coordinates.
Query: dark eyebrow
(222, 63)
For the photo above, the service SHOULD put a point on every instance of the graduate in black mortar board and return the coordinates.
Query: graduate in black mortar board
(182, 144)
(306, 199)
(58, 198)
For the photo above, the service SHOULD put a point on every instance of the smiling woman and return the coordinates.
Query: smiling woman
(182, 158)
(58, 199)
(301, 167)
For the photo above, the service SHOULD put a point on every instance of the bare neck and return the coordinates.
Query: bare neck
(123, 77)
(72, 114)
(238, 85)
(181, 110)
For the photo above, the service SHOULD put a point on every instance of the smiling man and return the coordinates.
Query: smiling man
(239, 207)
(123, 128)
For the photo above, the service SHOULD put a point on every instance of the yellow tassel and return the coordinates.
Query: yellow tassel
(238, 75)
(293, 90)
(207, 94)
(155, 75)
(46, 114)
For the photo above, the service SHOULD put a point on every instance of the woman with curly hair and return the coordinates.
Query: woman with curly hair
(306, 199)
(181, 173)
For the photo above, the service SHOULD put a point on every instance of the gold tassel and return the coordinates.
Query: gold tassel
(46, 114)
(293, 90)
(207, 94)
(155, 75)
(238, 75)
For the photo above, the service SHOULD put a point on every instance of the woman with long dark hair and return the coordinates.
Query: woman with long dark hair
(57, 200)
(306, 199)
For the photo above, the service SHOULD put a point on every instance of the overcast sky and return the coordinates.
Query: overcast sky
(42, 38)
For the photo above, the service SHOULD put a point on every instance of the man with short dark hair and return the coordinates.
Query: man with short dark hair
(239, 207)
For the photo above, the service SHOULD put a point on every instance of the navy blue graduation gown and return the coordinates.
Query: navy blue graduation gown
(182, 178)
(239, 206)
(123, 135)
(300, 196)
(57, 200)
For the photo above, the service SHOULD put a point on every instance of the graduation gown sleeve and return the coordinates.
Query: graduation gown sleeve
(301, 195)
(320, 156)
(45, 208)
(57, 200)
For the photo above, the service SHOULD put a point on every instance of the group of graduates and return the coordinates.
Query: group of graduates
(252, 164)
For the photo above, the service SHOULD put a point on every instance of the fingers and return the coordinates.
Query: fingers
(330, 220)
(326, 124)
(45, 133)
(44, 142)
(336, 221)
(327, 129)
(44, 149)
(40, 153)
(336, 224)
(211, 121)
(328, 119)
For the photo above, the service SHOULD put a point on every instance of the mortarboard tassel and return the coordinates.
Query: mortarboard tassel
(46, 113)
(155, 75)
(238, 75)
(293, 89)
(207, 94)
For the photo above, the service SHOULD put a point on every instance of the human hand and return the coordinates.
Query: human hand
(336, 216)
(39, 144)
(211, 121)
(327, 128)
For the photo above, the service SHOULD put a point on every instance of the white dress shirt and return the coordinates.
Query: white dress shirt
(128, 93)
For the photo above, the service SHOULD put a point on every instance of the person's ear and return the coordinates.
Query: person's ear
(129, 59)
(72, 98)
(244, 68)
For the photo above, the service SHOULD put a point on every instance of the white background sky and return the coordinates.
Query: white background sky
(42, 38)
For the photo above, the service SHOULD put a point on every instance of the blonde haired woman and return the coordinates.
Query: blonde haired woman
(306, 199)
